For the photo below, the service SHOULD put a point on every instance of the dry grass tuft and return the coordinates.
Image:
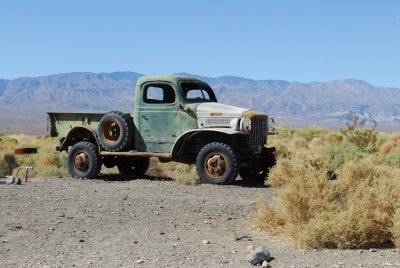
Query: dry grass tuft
(393, 144)
(185, 175)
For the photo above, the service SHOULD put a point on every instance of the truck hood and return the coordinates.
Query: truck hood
(217, 109)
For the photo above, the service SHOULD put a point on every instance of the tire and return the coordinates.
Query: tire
(217, 163)
(135, 168)
(115, 131)
(84, 160)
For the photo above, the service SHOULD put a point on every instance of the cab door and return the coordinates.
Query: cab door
(159, 120)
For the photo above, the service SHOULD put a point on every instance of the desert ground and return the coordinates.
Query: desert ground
(149, 222)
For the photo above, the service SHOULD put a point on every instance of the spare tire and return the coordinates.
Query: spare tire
(115, 131)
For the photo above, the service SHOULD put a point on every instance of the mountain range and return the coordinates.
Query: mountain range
(31, 97)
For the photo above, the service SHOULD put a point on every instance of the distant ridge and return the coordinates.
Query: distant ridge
(115, 91)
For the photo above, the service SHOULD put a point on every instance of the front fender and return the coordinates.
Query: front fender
(181, 140)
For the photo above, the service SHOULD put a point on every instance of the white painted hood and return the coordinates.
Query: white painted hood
(209, 108)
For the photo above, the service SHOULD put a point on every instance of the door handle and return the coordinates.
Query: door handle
(144, 117)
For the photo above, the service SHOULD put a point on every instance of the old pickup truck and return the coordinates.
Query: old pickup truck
(176, 118)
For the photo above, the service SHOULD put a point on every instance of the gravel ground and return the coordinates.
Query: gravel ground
(63, 222)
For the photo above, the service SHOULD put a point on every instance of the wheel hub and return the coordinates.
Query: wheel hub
(111, 131)
(216, 165)
(81, 162)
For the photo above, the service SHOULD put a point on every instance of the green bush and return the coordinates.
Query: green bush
(338, 153)
(355, 131)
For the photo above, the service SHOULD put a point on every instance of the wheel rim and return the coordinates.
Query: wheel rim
(111, 131)
(81, 162)
(216, 165)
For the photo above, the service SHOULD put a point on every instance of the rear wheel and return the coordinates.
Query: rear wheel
(84, 160)
(135, 168)
(217, 163)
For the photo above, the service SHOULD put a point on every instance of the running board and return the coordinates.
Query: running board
(136, 154)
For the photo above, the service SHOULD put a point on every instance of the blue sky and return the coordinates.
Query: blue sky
(290, 40)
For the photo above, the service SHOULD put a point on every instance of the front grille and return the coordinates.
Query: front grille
(217, 121)
(259, 127)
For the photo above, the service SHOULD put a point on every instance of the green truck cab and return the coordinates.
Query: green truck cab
(176, 118)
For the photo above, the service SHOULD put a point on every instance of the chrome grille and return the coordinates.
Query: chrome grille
(259, 127)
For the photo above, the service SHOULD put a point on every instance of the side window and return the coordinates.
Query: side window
(159, 94)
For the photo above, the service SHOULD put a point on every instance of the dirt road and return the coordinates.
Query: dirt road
(63, 222)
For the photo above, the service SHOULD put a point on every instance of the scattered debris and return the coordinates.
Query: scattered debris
(20, 151)
(238, 238)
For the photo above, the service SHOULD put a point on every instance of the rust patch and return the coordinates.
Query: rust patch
(21, 151)
(251, 113)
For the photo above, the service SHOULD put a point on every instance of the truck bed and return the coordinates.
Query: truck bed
(60, 123)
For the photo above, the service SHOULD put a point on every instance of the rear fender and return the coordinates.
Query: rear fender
(78, 134)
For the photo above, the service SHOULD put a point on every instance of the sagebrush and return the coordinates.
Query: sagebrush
(360, 209)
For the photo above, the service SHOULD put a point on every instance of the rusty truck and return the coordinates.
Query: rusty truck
(176, 118)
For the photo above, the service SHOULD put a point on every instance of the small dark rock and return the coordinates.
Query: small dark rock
(258, 256)
(81, 240)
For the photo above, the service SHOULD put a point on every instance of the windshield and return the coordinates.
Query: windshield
(197, 92)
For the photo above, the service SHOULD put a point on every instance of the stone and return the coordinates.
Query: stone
(259, 255)
(206, 242)
(10, 180)
(17, 181)
(13, 180)
(265, 264)
(140, 261)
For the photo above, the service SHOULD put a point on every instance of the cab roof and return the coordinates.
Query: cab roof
(174, 79)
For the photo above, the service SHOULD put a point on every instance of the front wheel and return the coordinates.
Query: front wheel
(84, 160)
(217, 163)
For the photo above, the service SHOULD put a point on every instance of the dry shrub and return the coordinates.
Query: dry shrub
(393, 144)
(185, 175)
(7, 144)
(281, 149)
(396, 228)
(267, 217)
(359, 210)
(334, 137)
(299, 164)
(298, 142)
(316, 144)
(312, 132)
(285, 132)
(7, 164)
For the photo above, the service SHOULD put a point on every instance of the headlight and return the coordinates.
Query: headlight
(245, 124)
